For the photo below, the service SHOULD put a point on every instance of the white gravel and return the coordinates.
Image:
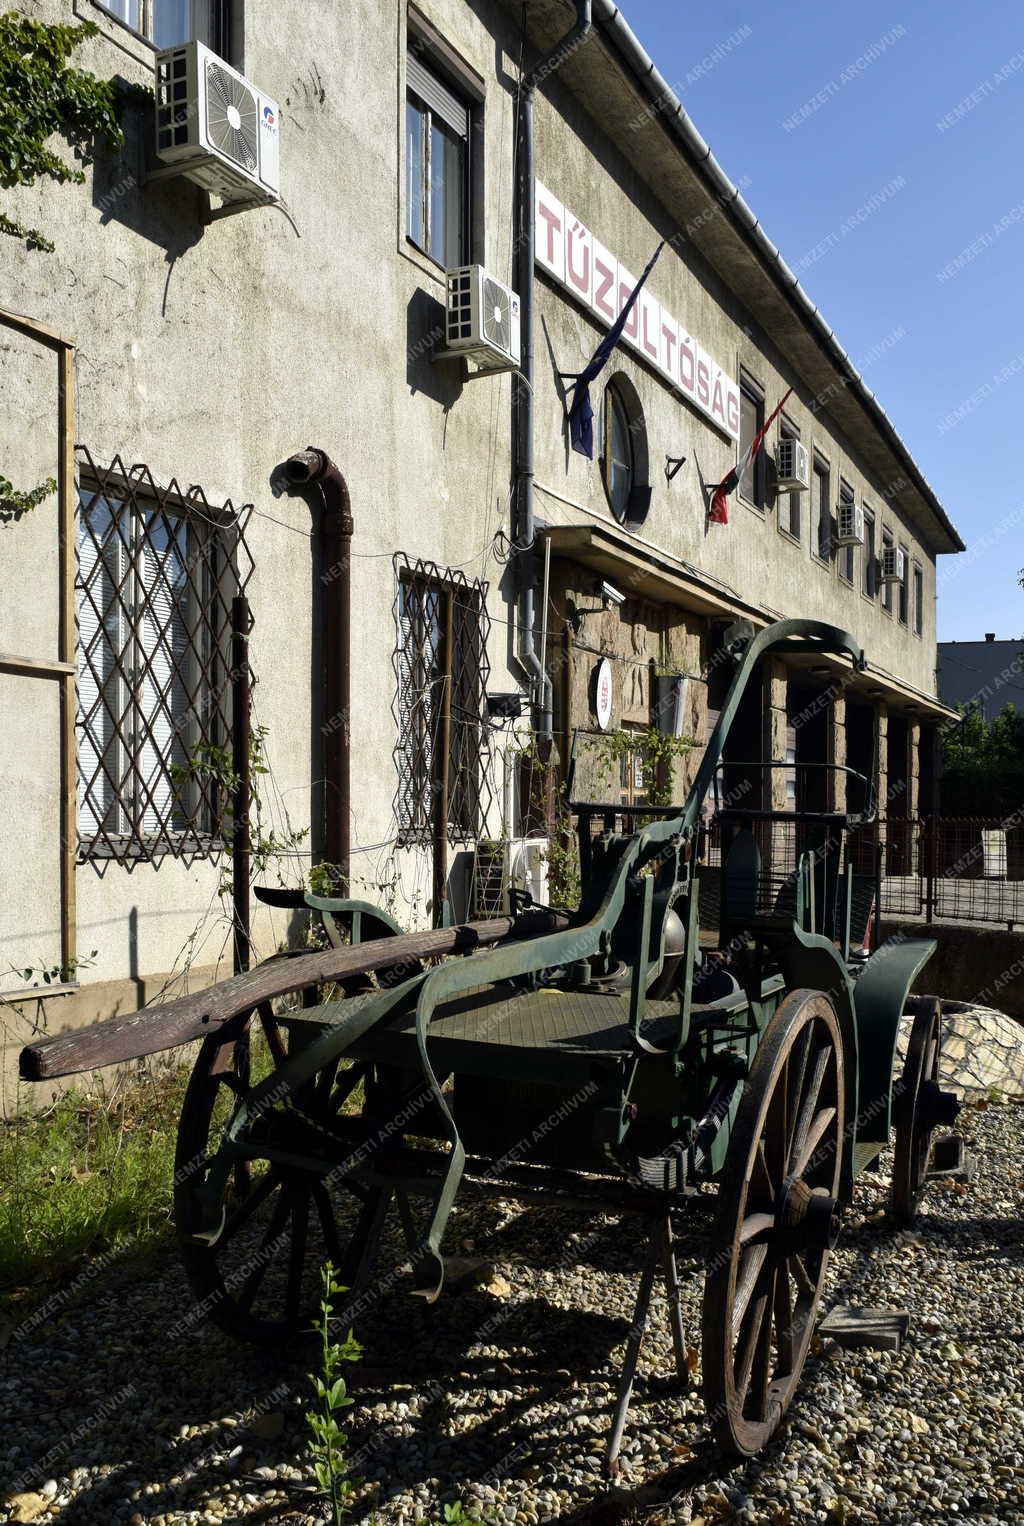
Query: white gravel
(502, 1399)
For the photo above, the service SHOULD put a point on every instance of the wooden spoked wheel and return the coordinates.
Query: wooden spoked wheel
(778, 1217)
(916, 1108)
(256, 1272)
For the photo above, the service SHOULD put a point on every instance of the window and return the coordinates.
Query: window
(166, 23)
(156, 575)
(918, 600)
(870, 583)
(904, 587)
(845, 558)
(437, 165)
(752, 482)
(887, 542)
(624, 452)
(442, 670)
(822, 491)
(789, 503)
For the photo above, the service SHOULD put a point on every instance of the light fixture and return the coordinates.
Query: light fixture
(610, 594)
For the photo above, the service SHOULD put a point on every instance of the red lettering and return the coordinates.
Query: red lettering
(668, 334)
(604, 280)
(703, 382)
(554, 225)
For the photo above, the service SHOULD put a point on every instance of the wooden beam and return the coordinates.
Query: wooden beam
(34, 667)
(66, 512)
(34, 330)
(134, 1034)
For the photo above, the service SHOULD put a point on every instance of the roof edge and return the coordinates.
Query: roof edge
(629, 52)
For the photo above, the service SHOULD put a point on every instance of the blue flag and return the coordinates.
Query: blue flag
(581, 414)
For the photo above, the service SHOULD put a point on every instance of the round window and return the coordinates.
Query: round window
(624, 453)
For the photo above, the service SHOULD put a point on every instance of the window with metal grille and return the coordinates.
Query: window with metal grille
(442, 670)
(157, 570)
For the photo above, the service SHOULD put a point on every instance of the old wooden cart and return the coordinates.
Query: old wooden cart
(603, 1058)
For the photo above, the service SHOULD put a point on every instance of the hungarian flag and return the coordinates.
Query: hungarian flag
(718, 513)
(581, 414)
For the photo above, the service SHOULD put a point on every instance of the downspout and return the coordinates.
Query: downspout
(523, 422)
(313, 473)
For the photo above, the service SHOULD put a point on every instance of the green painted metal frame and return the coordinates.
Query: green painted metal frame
(620, 909)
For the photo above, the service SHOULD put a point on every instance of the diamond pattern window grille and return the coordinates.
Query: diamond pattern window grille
(441, 667)
(157, 570)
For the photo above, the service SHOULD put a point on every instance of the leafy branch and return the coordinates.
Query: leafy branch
(42, 96)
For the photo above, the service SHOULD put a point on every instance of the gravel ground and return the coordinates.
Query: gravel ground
(500, 1396)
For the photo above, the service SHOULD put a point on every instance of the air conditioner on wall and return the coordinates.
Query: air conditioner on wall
(519, 863)
(892, 565)
(481, 320)
(849, 524)
(792, 465)
(215, 126)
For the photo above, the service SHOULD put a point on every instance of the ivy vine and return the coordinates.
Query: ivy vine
(14, 502)
(41, 95)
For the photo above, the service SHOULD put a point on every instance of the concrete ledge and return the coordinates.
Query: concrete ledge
(983, 966)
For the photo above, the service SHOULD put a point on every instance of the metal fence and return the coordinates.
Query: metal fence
(935, 868)
(963, 869)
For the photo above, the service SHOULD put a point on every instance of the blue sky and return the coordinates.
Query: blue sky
(864, 90)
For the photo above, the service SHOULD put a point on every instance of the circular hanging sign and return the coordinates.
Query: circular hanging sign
(603, 693)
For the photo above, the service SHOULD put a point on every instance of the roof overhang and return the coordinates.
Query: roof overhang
(641, 571)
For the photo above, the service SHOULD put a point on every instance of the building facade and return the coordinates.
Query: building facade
(988, 674)
(204, 351)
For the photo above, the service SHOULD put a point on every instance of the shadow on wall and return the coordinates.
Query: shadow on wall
(424, 332)
(168, 213)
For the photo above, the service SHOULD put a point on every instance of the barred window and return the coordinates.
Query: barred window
(157, 570)
(442, 670)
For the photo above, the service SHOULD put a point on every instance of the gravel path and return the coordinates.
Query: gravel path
(500, 1397)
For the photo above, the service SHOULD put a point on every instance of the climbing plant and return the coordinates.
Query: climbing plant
(213, 763)
(42, 96)
(14, 502)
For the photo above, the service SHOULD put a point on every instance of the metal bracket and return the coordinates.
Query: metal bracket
(672, 465)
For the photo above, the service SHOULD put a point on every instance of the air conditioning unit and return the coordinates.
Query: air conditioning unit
(519, 863)
(892, 565)
(215, 126)
(849, 524)
(482, 320)
(792, 465)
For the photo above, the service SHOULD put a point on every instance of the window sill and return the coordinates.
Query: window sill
(824, 562)
(794, 540)
(133, 852)
(846, 582)
(748, 503)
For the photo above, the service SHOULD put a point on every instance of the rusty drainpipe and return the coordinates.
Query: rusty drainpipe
(523, 426)
(313, 473)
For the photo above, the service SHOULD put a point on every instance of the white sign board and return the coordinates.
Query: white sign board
(603, 693)
(572, 256)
